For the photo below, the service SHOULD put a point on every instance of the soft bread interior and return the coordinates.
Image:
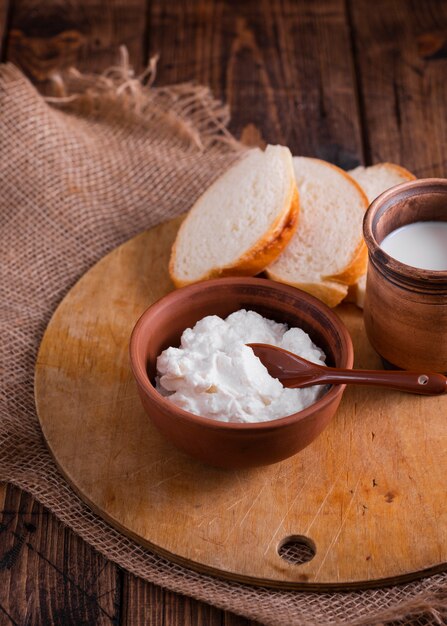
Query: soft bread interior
(327, 250)
(376, 179)
(235, 215)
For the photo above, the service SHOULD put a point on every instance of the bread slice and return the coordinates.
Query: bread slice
(327, 253)
(241, 223)
(374, 180)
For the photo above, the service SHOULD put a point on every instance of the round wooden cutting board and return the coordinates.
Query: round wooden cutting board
(368, 496)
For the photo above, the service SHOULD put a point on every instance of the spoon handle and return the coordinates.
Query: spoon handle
(414, 382)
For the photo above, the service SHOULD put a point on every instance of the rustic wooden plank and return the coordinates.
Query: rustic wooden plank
(178, 610)
(4, 4)
(148, 605)
(47, 574)
(45, 37)
(284, 68)
(2, 495)
(230, 619)
(182, 611)
(401, 52)
(142, 602)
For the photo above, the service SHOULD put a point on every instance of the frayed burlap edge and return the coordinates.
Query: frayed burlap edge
(190, 112)
(186, 109)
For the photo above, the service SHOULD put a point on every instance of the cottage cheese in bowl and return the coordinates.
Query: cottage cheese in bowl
(215, 374)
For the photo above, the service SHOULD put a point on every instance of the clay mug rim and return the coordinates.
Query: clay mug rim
(376, 210)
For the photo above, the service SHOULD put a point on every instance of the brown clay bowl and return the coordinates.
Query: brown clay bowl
(236, 445)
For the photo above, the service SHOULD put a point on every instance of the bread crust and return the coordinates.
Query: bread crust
(264, 252)
(353, 271)
(330, 294)
(359, 266)
(402, 171)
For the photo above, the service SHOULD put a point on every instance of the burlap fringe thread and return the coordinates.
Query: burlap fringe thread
(187, 110)
(188, 144)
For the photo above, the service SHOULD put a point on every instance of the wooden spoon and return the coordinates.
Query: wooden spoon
(294, 371)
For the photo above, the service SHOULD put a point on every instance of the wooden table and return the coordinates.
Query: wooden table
(348, 81)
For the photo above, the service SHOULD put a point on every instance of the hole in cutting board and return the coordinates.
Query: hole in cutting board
(297, 549)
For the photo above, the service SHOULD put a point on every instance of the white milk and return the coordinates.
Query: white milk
(421, 244)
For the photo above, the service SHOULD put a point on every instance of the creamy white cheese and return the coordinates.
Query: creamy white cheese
(214, 374)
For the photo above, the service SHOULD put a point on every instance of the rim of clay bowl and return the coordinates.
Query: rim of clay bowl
(140, 372)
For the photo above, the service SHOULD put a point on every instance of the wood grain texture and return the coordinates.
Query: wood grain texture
(361, 492)
(285, 69)
(4, 5)
(46, 37)
(180, 609)
(3, 487)
(401, 52)
(144, 604)
(66, 581)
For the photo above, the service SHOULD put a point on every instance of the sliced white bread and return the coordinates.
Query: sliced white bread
(374, 180)
(241, 223)
(327, 252)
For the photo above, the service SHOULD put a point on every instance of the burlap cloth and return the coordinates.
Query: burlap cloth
(78, 177)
